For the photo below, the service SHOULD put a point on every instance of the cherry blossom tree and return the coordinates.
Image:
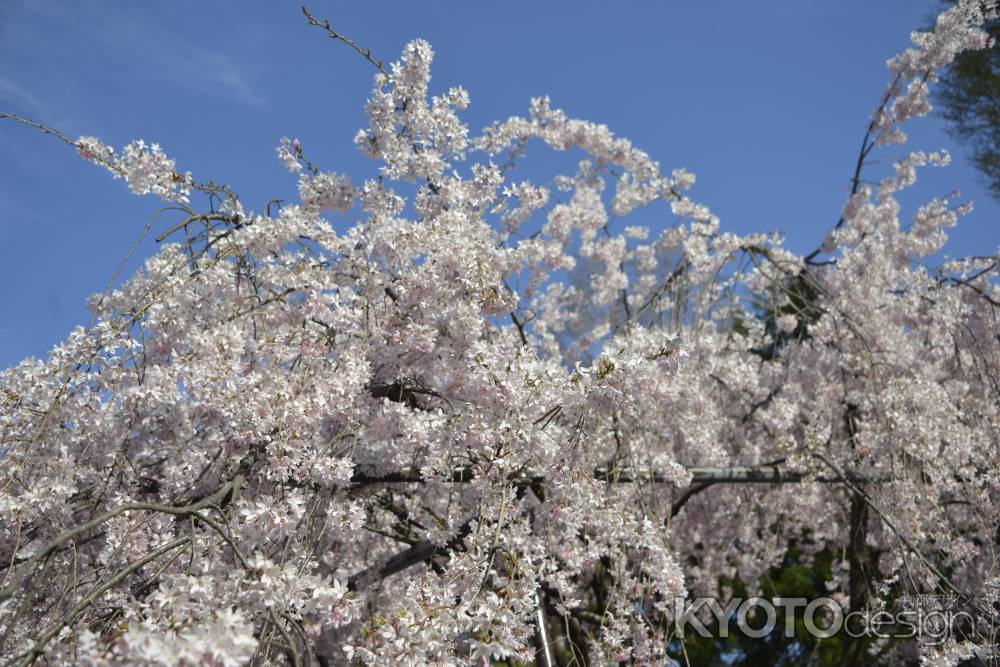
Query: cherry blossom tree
(493, 421)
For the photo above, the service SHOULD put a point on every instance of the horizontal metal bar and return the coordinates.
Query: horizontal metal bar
(769, 474)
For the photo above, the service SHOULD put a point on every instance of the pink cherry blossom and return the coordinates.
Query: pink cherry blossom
(432, 437)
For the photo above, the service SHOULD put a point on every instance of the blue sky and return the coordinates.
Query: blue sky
(766, 101)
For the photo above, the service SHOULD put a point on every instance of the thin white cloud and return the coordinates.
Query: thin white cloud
(186, 61)
(21, 98)
(145, 45)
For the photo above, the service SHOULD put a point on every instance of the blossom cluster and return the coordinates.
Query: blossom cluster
(145, 168)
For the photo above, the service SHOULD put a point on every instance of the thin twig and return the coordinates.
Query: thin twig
(39, 126)
(97, 521)
(38, 645)
(333, 34)
(899, 535)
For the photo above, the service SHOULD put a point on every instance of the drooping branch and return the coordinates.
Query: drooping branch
(946, 582)
(38, 646)
(224, 495)
(216, 498)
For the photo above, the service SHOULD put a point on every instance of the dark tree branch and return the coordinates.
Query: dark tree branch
(418, 553)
